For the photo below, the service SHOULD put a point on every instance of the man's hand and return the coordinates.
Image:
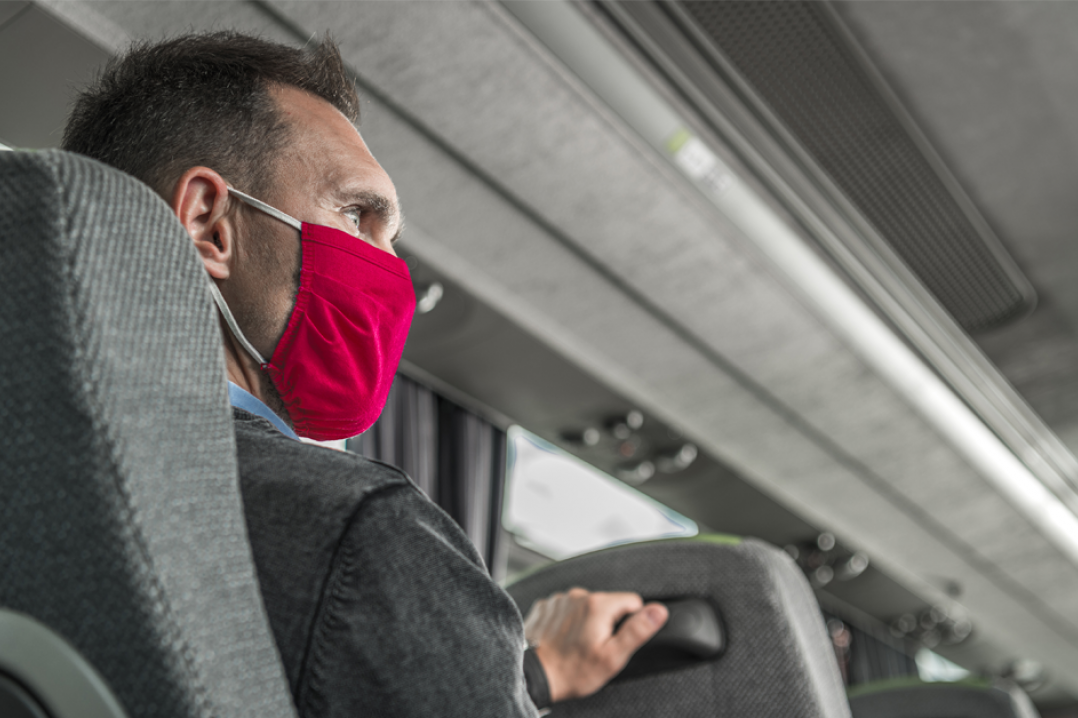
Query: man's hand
(574, 638)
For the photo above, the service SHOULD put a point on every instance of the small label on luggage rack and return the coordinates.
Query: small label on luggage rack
(696, 160)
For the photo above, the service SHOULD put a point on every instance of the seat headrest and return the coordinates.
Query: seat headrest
(121, 524)
(778, 660)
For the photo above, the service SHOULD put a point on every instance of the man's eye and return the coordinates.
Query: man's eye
(355, 214)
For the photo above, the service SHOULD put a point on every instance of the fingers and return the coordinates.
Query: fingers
(614, 606)
(536, 615)
(600, 611)
(638, 630)
(576, 641)
(557, 617)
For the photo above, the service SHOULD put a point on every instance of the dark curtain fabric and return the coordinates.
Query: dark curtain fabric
(455, 456)
(868, 655)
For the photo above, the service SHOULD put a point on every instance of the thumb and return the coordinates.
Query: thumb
(638, 629)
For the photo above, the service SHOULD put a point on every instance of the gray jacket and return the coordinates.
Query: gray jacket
(379, 603)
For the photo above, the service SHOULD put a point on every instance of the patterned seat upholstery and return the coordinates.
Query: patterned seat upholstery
(906, 698)
(778, 661)
(121, 524)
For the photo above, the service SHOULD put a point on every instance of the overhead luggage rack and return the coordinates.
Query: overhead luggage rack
(805, 76)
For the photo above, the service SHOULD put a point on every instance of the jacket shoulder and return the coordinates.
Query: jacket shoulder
(268, 458)
(300, 502)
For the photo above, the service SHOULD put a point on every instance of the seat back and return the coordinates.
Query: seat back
(121, 524)
(910, 698)
(778, 660)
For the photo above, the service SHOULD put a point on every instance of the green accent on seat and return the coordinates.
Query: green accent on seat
(722, 539)
(509, 581)
(897, 683)
(677, 140)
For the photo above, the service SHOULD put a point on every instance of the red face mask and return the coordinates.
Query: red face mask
(335, 363)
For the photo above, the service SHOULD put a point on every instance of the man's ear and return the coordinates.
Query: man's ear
(200, 201)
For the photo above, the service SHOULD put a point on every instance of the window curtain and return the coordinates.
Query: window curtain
(454, 455)
(868, 653)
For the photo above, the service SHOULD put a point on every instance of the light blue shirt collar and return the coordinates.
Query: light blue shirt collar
(242, 399)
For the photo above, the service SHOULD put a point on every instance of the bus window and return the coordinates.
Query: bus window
(560, 506)
(934, 668)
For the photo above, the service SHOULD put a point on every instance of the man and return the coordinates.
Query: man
(378, 602)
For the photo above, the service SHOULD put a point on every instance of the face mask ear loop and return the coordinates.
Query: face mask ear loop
(231, 322)
(271, 211)
(216, 293)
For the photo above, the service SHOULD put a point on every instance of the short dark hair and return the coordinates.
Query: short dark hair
(164, 107)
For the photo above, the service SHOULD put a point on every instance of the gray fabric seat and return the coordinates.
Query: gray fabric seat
(778, 660)
(121, 524)
(905, 698)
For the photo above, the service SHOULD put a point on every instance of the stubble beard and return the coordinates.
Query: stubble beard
(265, 322)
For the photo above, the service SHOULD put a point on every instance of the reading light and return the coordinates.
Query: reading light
(852, 567)
(638, 474)
(678, 461)
(622, 427)
(587, 437)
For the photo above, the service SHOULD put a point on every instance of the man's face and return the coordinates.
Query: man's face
(326, 175)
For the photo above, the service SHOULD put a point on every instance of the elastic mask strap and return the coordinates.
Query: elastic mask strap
(216, 293)
(271, 211)
(231, 322)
